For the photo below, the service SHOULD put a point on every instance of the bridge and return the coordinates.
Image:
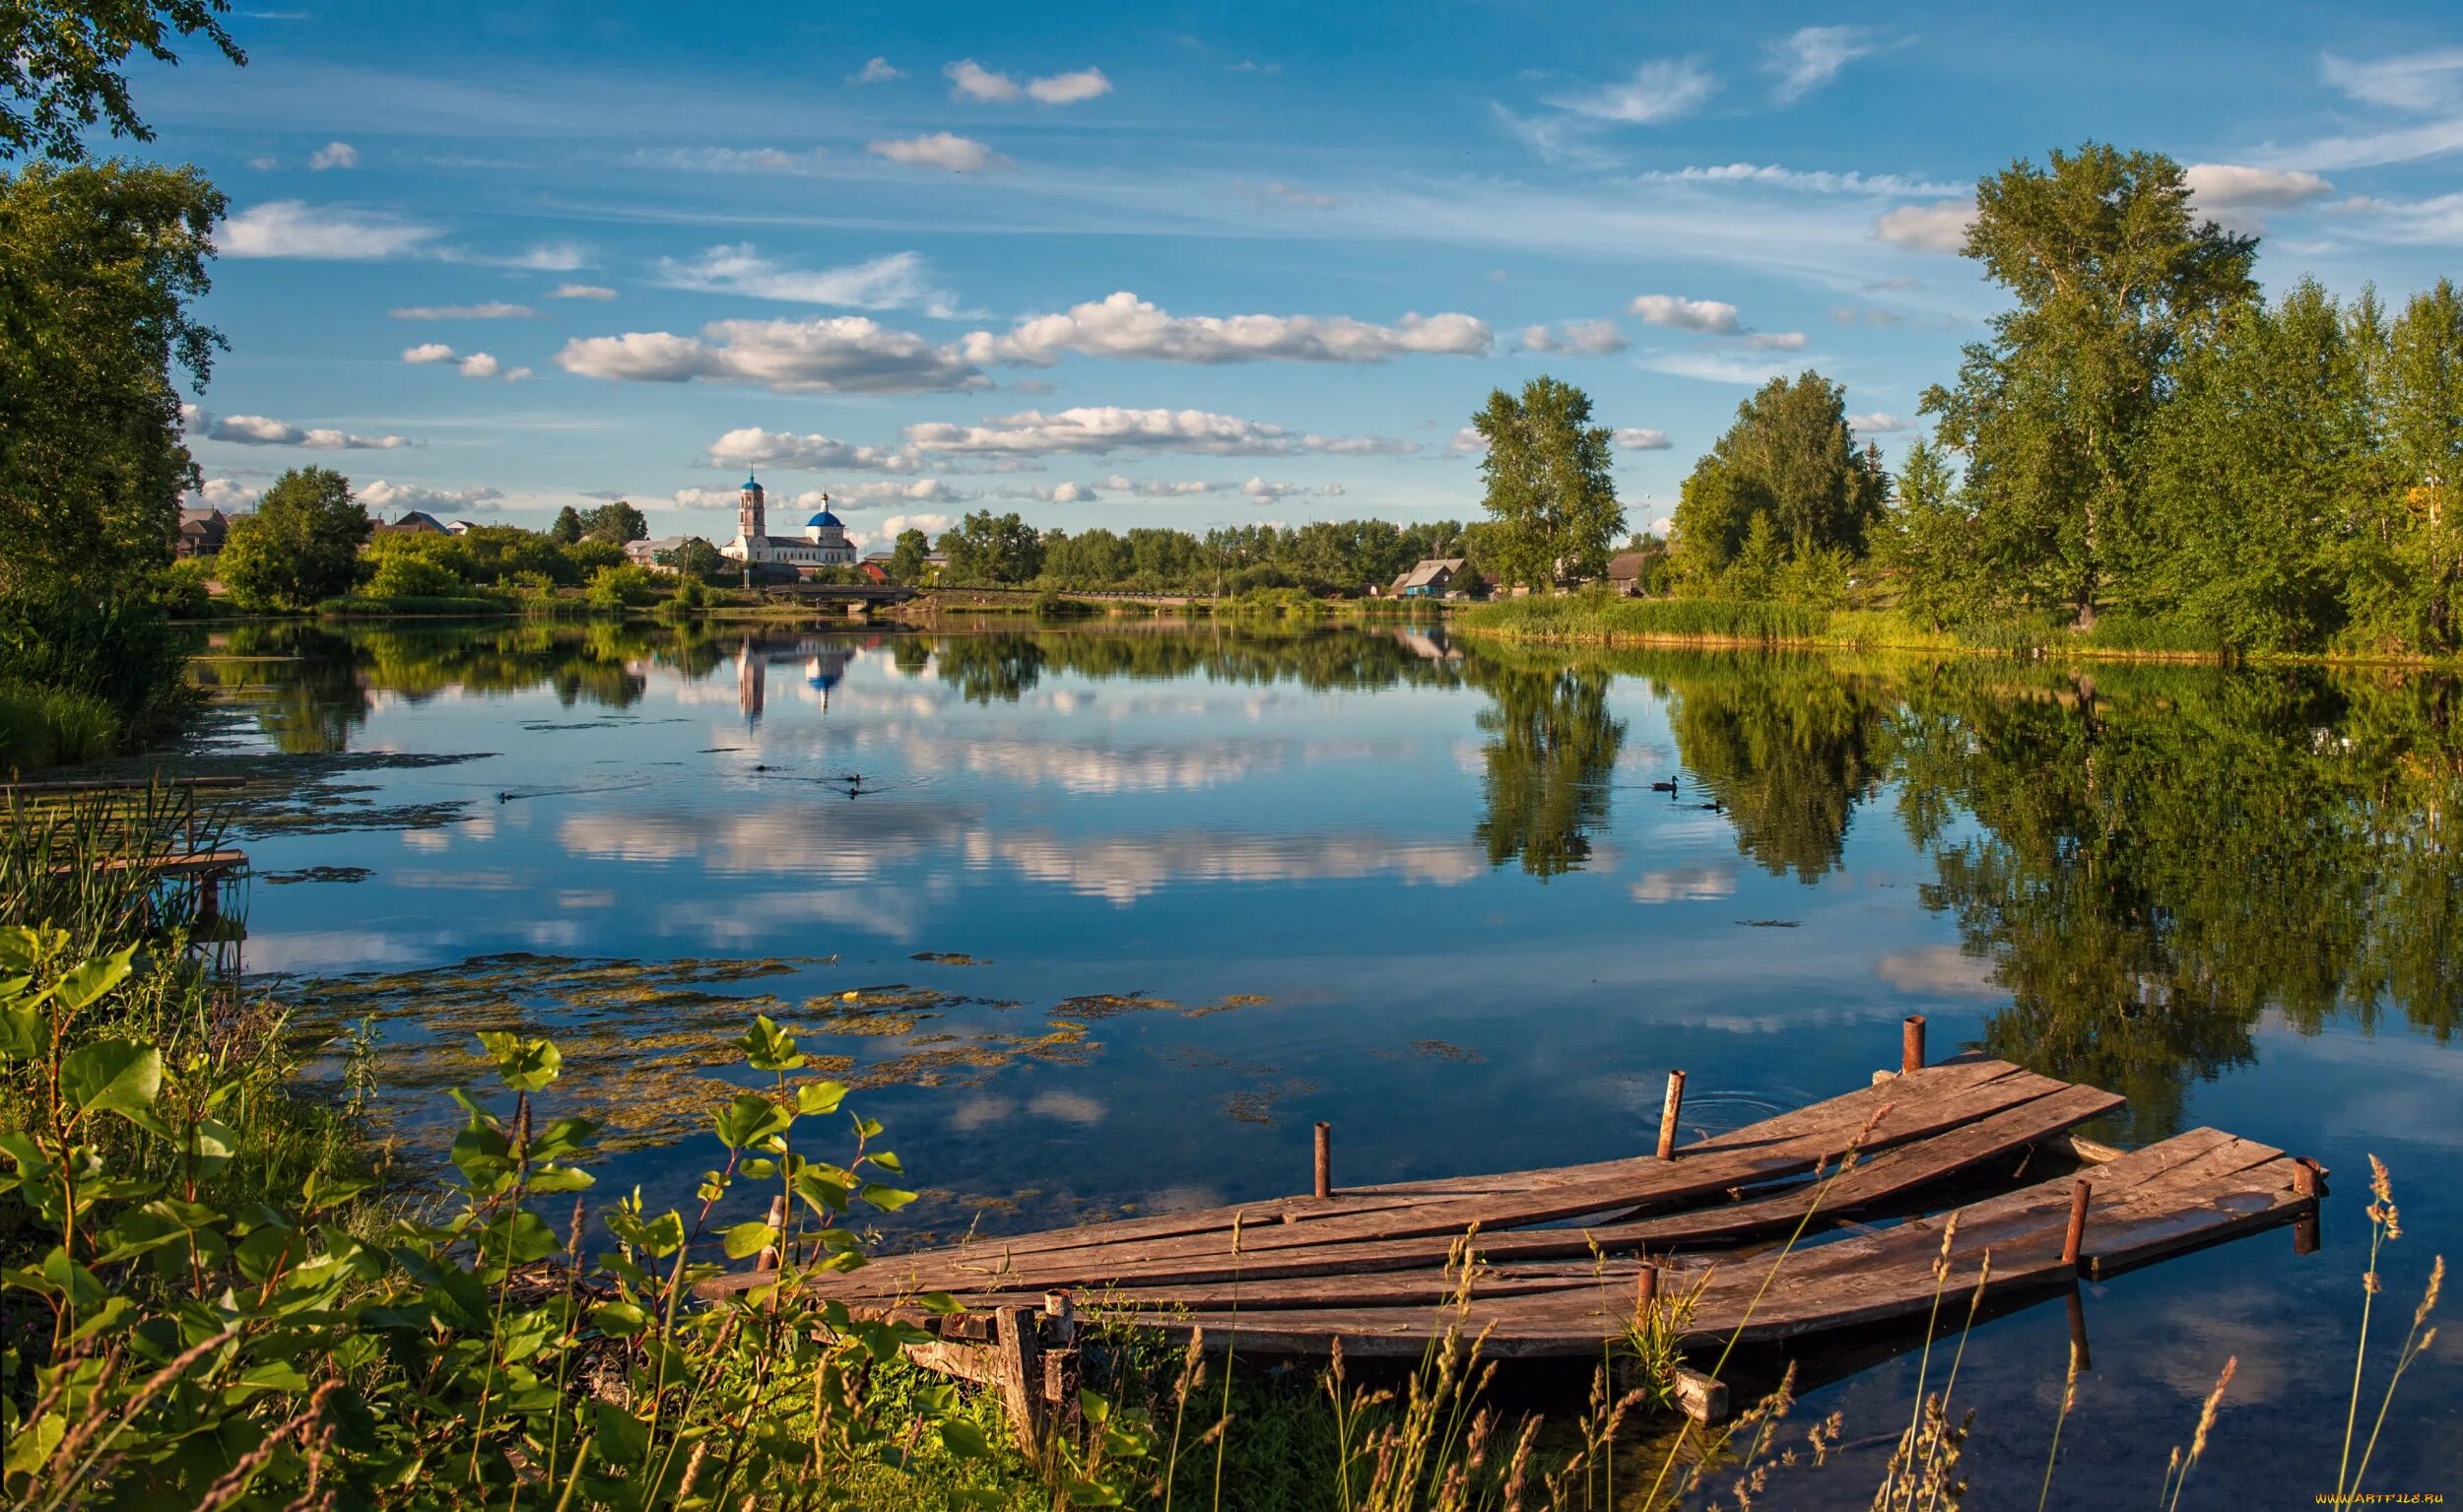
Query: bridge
(859, 599)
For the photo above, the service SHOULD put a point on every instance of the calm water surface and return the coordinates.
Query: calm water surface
(1218, 884)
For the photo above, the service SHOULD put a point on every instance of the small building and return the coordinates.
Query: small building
(201, 533)
(1431, 579)
(645, 553)
(462, 527)
(876, 569)
(1626, 572)
(419, 522)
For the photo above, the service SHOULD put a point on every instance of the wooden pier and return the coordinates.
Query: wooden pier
(1558, 1257)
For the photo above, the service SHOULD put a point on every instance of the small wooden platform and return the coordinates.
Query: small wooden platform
(1557, 1254)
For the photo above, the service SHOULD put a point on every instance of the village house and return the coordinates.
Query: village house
(1431, 579)
(416, 522)
(201, 533)
(1624, 574)
(645, 553)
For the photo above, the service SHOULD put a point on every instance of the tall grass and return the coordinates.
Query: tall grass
(53, 727)
(1598, 616)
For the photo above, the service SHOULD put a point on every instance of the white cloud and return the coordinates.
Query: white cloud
(581, 292)
(971, 80)
(265, 164)
(227, 494)
(265, 430)
(753, 447)
(1152, 488)
(428, 352)
(1772, 176)
(1710, 316)
(846, 353)
(381, 495)
(733, 160)
(1097, 431)
(1779, 341)
(1936, 228)
(1596, 338)
(493, 310)
(1714, 366)
(2239, 197)
(1879, 423)
(1260, 489)
(480, 365)
(294, 229)
(940, 149)
(883, 282)
(2419, 82)
(547, 257)
(1070, 89)
(1125, 326)
(333, 155)
(1466, 443)
(1661, 89)
(704, 499)
(1275, 194)
(1811, 56)
(1635, 439)
(878, 71)
(868, 495)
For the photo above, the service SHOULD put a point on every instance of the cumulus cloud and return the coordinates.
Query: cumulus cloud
(581, 292)
(1466, 443)
(869, 495)
(1093, 430)
(480, 365)
(1777, 341)
(1811, 56)
(333, 155)
(1635, 439)
(1935, 228)
(753, 447)
(227, 494)
(970, 80)
(1712, 317)
(1595, 338)
(883, 282)
(1154, 488)
(846, 353)
(265, 430)
(2239, 197)
(878, 71)
(428, 352)
(1661, 89)
(493, 310)
(384, 496)
(1260, 489)
(330, 233)
(1879, 423)
(940, 149)
(1126, 326)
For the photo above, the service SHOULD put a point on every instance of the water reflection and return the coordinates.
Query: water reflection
(2140, 863)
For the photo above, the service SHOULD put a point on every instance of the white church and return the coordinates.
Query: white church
(823, 544)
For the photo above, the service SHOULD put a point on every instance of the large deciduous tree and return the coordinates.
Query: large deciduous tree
(1789, 458)
(60, 66)
(615, 523)
(988, 547)
(2115, 279)
(1550, 495)
(301, 544)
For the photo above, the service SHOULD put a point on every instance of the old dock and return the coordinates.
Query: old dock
(1559, 1259)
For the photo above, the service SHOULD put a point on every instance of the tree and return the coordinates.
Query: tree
(1549, 491)
(616, 524)
(987, 548)
(1927, 540)
(302, 545)
(907, 554)
(60, 66)
(696, 559)
(2114, 282)
(1790, 456)
(568, 527)
(97, 268)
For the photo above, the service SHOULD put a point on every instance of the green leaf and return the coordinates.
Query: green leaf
(818, 1098)
(940, 1303)
(767, 1048)
(888, 1160)
(749, 1121)
(22, 1036)
(622, 1320)
(622, 1438)
(746, 1240)
(963, 1439)
(112, 1073)
(522, 1065)
(886, 1199)
(90, 980)
(560, 1178)
(212, 1143)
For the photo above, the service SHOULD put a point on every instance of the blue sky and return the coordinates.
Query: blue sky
(1194, 267)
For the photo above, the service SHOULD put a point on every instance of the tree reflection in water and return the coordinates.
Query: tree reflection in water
(1552, 746)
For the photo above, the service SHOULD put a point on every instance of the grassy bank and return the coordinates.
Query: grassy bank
(1589, 619)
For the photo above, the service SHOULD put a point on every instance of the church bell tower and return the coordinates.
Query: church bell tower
(752, 522)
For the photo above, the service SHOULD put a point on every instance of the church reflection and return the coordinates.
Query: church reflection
(821, 660)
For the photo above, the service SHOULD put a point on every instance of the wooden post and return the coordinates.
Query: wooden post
(2077, 1329)
(2306, 1182)
(769, 1258)
(1060, 1318)
(1017, 1359)
(2078, 1194)
(1912, 1043)
(1325, 1159)
(1668, 1114)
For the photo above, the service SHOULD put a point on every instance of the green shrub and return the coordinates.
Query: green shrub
(410, 575)
(1598, 616)
(53, 727)
(2122, 630)
(626, 586)
(123, 652)
(180, 589)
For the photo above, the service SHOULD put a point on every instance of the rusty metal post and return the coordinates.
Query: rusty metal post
(1646, 1291)
(2306, 1182)
(2070, 1242)
(1668, 1114)
(1325, 1159)
(1912, 1043)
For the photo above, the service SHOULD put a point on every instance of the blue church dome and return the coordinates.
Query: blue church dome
(752, 484)
(825, 518)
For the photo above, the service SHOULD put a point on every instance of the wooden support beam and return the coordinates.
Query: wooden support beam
(1702, 1397)
(1668, 1114)
(1016, 1356)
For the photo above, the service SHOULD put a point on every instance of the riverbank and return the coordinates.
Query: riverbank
(1577, 620)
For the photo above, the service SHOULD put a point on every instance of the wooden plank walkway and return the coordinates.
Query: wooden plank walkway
(1556, 1255)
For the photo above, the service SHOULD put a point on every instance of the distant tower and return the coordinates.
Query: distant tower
(752, 522)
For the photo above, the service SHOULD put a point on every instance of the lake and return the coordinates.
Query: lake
(1191, 889)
